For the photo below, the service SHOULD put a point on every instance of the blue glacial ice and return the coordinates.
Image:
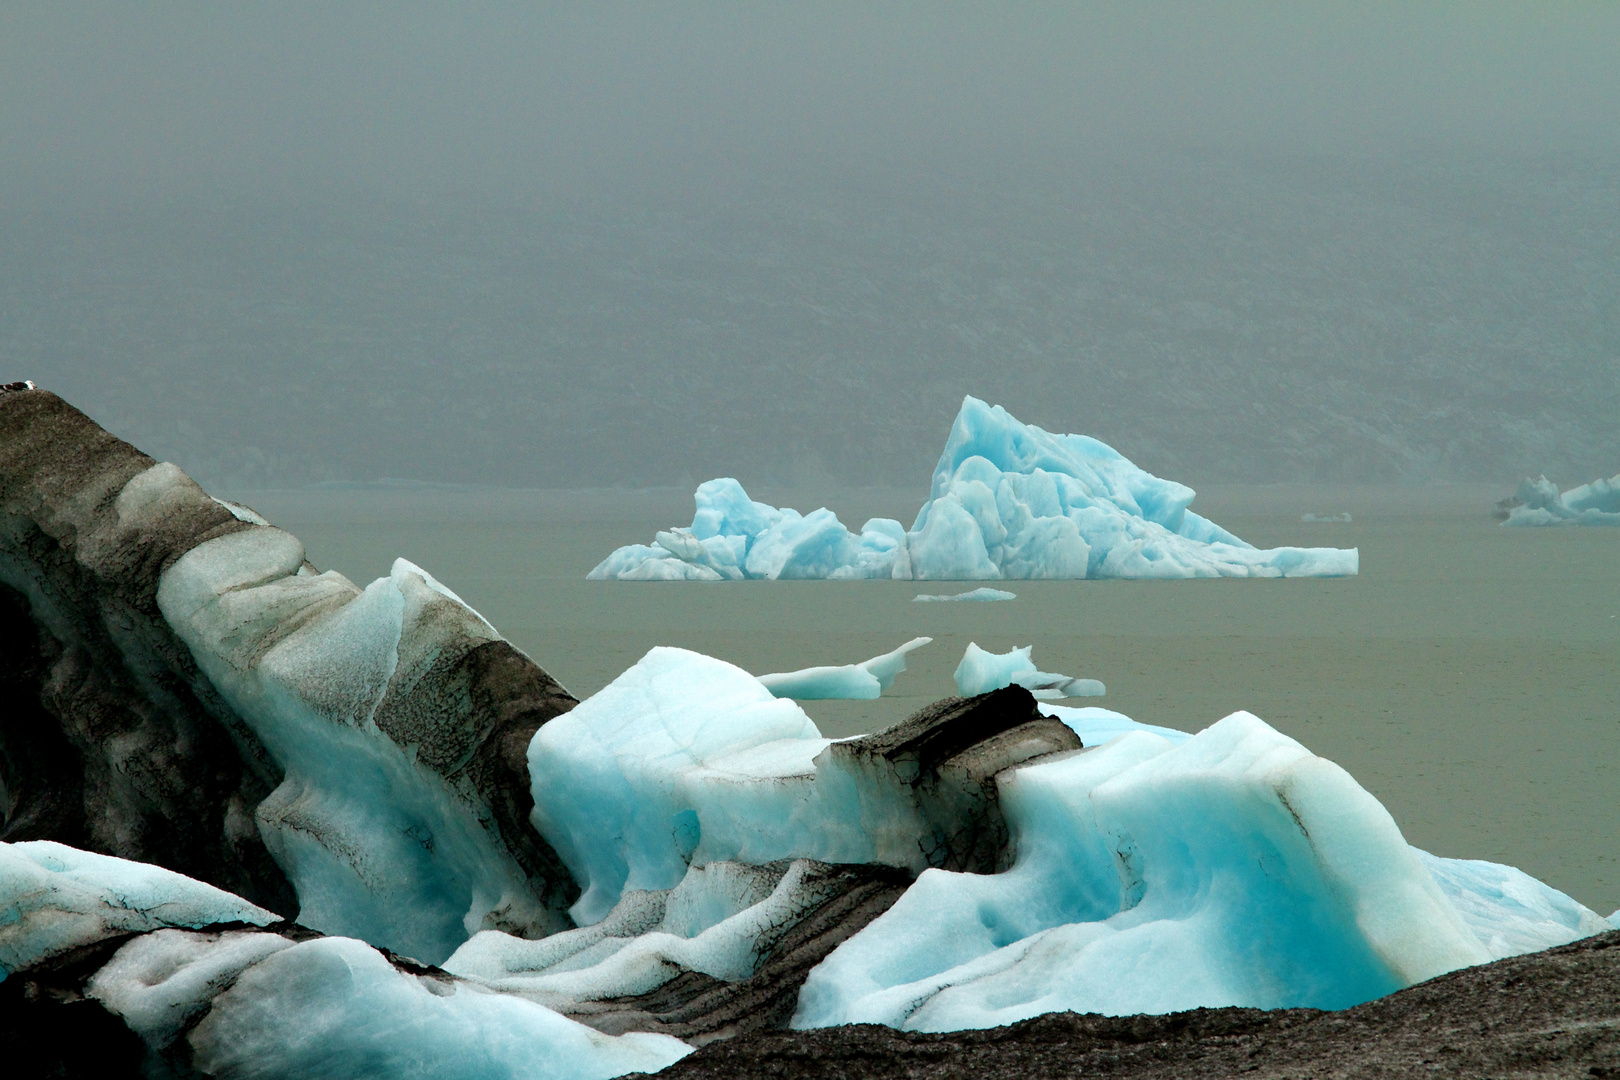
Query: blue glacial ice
(863, 681)
(1008, 501)
(983, 593)
(377, 844)
(1155, 870)
(981, 672)
(1540, 503)
(1231, 868)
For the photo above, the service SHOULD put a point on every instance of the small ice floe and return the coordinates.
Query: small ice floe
(981, 672)
(863, 681)
(972, 594)
(1327, 519)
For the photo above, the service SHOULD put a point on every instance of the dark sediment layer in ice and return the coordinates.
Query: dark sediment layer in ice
(114, 740)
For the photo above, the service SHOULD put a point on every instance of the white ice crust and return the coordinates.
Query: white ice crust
(1597, 503)
(54, 898)
(376, 844)
(981, 672)
(863, 681)
(1008, 501)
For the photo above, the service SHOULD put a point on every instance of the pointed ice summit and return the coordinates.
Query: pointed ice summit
(1008, 500)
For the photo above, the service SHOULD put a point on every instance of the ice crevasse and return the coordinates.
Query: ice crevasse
(1007, 501)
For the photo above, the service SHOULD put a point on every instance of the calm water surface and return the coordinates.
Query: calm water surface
(1469, 678)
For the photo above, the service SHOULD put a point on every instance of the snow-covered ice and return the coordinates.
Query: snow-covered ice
(981, 672)
(862, 681)
(1540, 503)
(982, 593)
(1008, 501)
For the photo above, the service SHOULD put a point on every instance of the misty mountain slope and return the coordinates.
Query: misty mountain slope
(1217, 318)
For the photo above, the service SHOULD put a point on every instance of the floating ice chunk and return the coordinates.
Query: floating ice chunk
(1007, 501)
(54, 898)
(1538, 502)
(337, 1007)
(1326, 519)
(981, 672)
(1232, 869)
(981, 594)
(862, 681)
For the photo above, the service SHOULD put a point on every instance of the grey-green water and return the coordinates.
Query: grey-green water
(1469, 678)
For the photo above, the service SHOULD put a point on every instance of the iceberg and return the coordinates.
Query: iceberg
(1007, 501)
(981, 672)
(1538, 502)
(862, 681)
(980, 594)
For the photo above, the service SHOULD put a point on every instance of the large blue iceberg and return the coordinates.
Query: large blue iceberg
(1008, 500)
(1539, 502)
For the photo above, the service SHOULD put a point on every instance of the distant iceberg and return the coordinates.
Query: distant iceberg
(1538, 502)
(1008, 501)
(983, 594)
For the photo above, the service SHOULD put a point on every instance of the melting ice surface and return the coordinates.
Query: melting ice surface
(1008, 500)
(1155, 870)
(1597, 503)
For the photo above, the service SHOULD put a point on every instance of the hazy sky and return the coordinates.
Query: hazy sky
(511, 98)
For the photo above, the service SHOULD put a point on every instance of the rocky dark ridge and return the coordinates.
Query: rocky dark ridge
(1548, 1014)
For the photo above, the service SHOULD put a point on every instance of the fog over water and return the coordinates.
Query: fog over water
(632, 245)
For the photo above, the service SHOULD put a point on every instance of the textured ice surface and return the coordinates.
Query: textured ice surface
(1008, 500)
(980, 594)
(1231, 868)
(54, 898)
(336, 1007)
(981, 672)
(1597, 503)
(862, 681)
(720, 920)
(685, 759)
(377, 844)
